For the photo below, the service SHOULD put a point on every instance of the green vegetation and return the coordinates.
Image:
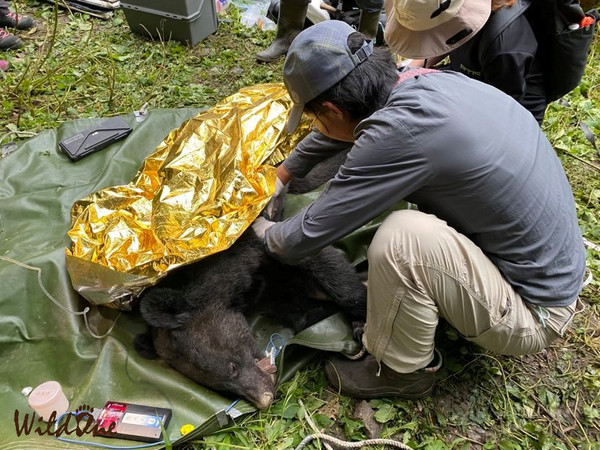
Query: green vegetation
(73, 66)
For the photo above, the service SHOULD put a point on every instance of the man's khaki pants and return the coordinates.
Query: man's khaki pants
(421, 269)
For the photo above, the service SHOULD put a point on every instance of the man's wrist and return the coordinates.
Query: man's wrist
(260, 227)
(284, 175)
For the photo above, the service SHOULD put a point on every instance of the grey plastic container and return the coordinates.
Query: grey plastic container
(187, 21)
(181, 8)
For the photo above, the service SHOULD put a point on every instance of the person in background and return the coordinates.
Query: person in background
(428, 31)
(9, 19)
(320, 10)
(494, 247)
(292, 14)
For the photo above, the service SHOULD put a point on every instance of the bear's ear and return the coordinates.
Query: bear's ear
(164, 308)
(144, 345)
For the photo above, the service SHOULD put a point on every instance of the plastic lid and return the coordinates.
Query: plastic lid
(44, 394)
(26, 390)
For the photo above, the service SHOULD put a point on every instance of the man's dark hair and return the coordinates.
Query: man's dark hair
(364, 90)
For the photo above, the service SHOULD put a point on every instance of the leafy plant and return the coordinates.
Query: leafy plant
(73, 66)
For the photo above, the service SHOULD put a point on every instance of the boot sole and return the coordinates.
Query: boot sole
(379, 393)
(12, 47)
(376, 392)
(267, 60)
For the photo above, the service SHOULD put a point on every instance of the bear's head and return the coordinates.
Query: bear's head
(216, 349)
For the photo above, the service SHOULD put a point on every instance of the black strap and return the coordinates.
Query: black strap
(499, 21)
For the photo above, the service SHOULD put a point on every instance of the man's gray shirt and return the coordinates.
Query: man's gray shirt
(467, 153)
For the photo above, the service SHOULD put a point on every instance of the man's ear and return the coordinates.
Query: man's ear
(339, 112)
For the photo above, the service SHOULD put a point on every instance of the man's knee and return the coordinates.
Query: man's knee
(404, 233)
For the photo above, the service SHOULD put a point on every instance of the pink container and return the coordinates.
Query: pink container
(48, 397)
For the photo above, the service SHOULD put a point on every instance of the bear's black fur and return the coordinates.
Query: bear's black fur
(320, 174)
(197, 314)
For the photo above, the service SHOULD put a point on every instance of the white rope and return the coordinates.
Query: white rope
(588, 279)
(359, 355)
(345, 444)
(312, 424)
(339, 442)
(591, 245)
(83, 313)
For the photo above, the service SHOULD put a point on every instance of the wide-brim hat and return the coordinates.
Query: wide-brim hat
(426, 28)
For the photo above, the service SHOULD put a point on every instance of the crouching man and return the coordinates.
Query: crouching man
(494, 247)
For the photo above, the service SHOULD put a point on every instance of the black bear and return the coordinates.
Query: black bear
(197, 314)
(320, 173)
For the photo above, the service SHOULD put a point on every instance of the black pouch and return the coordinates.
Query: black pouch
(565, 57)
(95, 138)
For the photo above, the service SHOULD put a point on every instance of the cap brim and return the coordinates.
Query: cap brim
(433, 42)
(294, 117)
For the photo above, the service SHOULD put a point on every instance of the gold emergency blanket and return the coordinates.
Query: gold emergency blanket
(194, 196)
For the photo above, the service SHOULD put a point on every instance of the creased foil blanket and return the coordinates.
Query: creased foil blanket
(194, 196)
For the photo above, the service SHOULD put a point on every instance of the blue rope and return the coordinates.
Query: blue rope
(94, 444)
(232, 405)
(272, 348)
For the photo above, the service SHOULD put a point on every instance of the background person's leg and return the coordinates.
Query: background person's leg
(370, 11)
(291, 21)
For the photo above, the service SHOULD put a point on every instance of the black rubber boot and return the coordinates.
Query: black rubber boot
(369, 23)
(291, 21)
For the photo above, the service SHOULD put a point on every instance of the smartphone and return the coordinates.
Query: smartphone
(131, 421)
(95, 138)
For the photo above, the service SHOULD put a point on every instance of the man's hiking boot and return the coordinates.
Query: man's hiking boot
(359, 378)
(17, 21)
(8, 41)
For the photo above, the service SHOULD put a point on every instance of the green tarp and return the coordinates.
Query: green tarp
(41, 341)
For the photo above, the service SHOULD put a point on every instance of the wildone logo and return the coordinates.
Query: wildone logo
(84, 423)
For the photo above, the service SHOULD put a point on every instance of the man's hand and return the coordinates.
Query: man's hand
(273, 209)
(260, 226)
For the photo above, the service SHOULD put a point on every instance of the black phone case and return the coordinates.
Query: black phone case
(95, 138)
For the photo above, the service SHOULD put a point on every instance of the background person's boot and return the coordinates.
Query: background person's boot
(369, 23)
(291, 21)
(8, 41)
(12, 20)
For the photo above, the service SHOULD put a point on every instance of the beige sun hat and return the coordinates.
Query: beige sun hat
(426, 28)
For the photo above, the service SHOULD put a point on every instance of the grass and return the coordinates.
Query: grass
(72, 67)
